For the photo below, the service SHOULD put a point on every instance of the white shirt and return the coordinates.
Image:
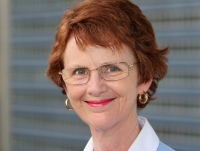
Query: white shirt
(147, 140)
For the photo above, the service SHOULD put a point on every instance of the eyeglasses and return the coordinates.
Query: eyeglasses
(109, 72)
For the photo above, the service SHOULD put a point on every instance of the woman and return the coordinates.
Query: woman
(106, 60)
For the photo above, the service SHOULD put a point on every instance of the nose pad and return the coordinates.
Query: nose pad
(99, 72)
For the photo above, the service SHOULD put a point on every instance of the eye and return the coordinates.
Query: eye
(80, 71)
(112, 69)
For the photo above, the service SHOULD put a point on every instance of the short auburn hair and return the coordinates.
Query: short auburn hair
(111, 24)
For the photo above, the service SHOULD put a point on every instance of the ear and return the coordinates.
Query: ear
(65, 88)
(144, 87)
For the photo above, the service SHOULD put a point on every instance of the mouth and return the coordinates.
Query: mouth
(99, 103)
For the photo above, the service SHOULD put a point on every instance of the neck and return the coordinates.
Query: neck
(119, 137)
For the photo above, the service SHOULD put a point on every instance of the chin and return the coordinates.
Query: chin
(102, 123)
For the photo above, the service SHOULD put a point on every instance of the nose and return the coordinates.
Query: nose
(96, 85)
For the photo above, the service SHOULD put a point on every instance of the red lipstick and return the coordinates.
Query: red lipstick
(99, 103)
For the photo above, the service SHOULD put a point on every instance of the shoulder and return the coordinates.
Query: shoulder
(163, 147)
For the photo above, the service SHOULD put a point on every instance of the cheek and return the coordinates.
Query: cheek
(128, 86)
(126, 90)
(75, 92)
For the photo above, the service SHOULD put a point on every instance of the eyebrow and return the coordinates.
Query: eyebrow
(76, 66)
(80, 66)
(109, 63)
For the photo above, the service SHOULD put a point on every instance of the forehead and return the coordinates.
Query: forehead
(93, 56)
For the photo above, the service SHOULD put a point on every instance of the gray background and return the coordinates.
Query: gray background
(33, 116)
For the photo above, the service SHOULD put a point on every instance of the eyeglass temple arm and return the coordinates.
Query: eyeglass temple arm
(131, 65)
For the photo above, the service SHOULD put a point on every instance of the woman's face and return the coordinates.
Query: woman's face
(99, 103)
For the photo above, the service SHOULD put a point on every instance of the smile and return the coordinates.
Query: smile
(99, 103)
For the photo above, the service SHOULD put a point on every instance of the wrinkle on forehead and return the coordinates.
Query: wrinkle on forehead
(94, 56)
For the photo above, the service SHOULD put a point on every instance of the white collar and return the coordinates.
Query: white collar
(147, 140)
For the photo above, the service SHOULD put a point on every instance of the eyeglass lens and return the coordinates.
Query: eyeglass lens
(110, 72)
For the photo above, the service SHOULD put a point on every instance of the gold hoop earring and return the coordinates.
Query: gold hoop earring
(143, 98)
(67, 106)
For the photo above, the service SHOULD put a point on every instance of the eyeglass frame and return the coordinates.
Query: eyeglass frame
(99, 71)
